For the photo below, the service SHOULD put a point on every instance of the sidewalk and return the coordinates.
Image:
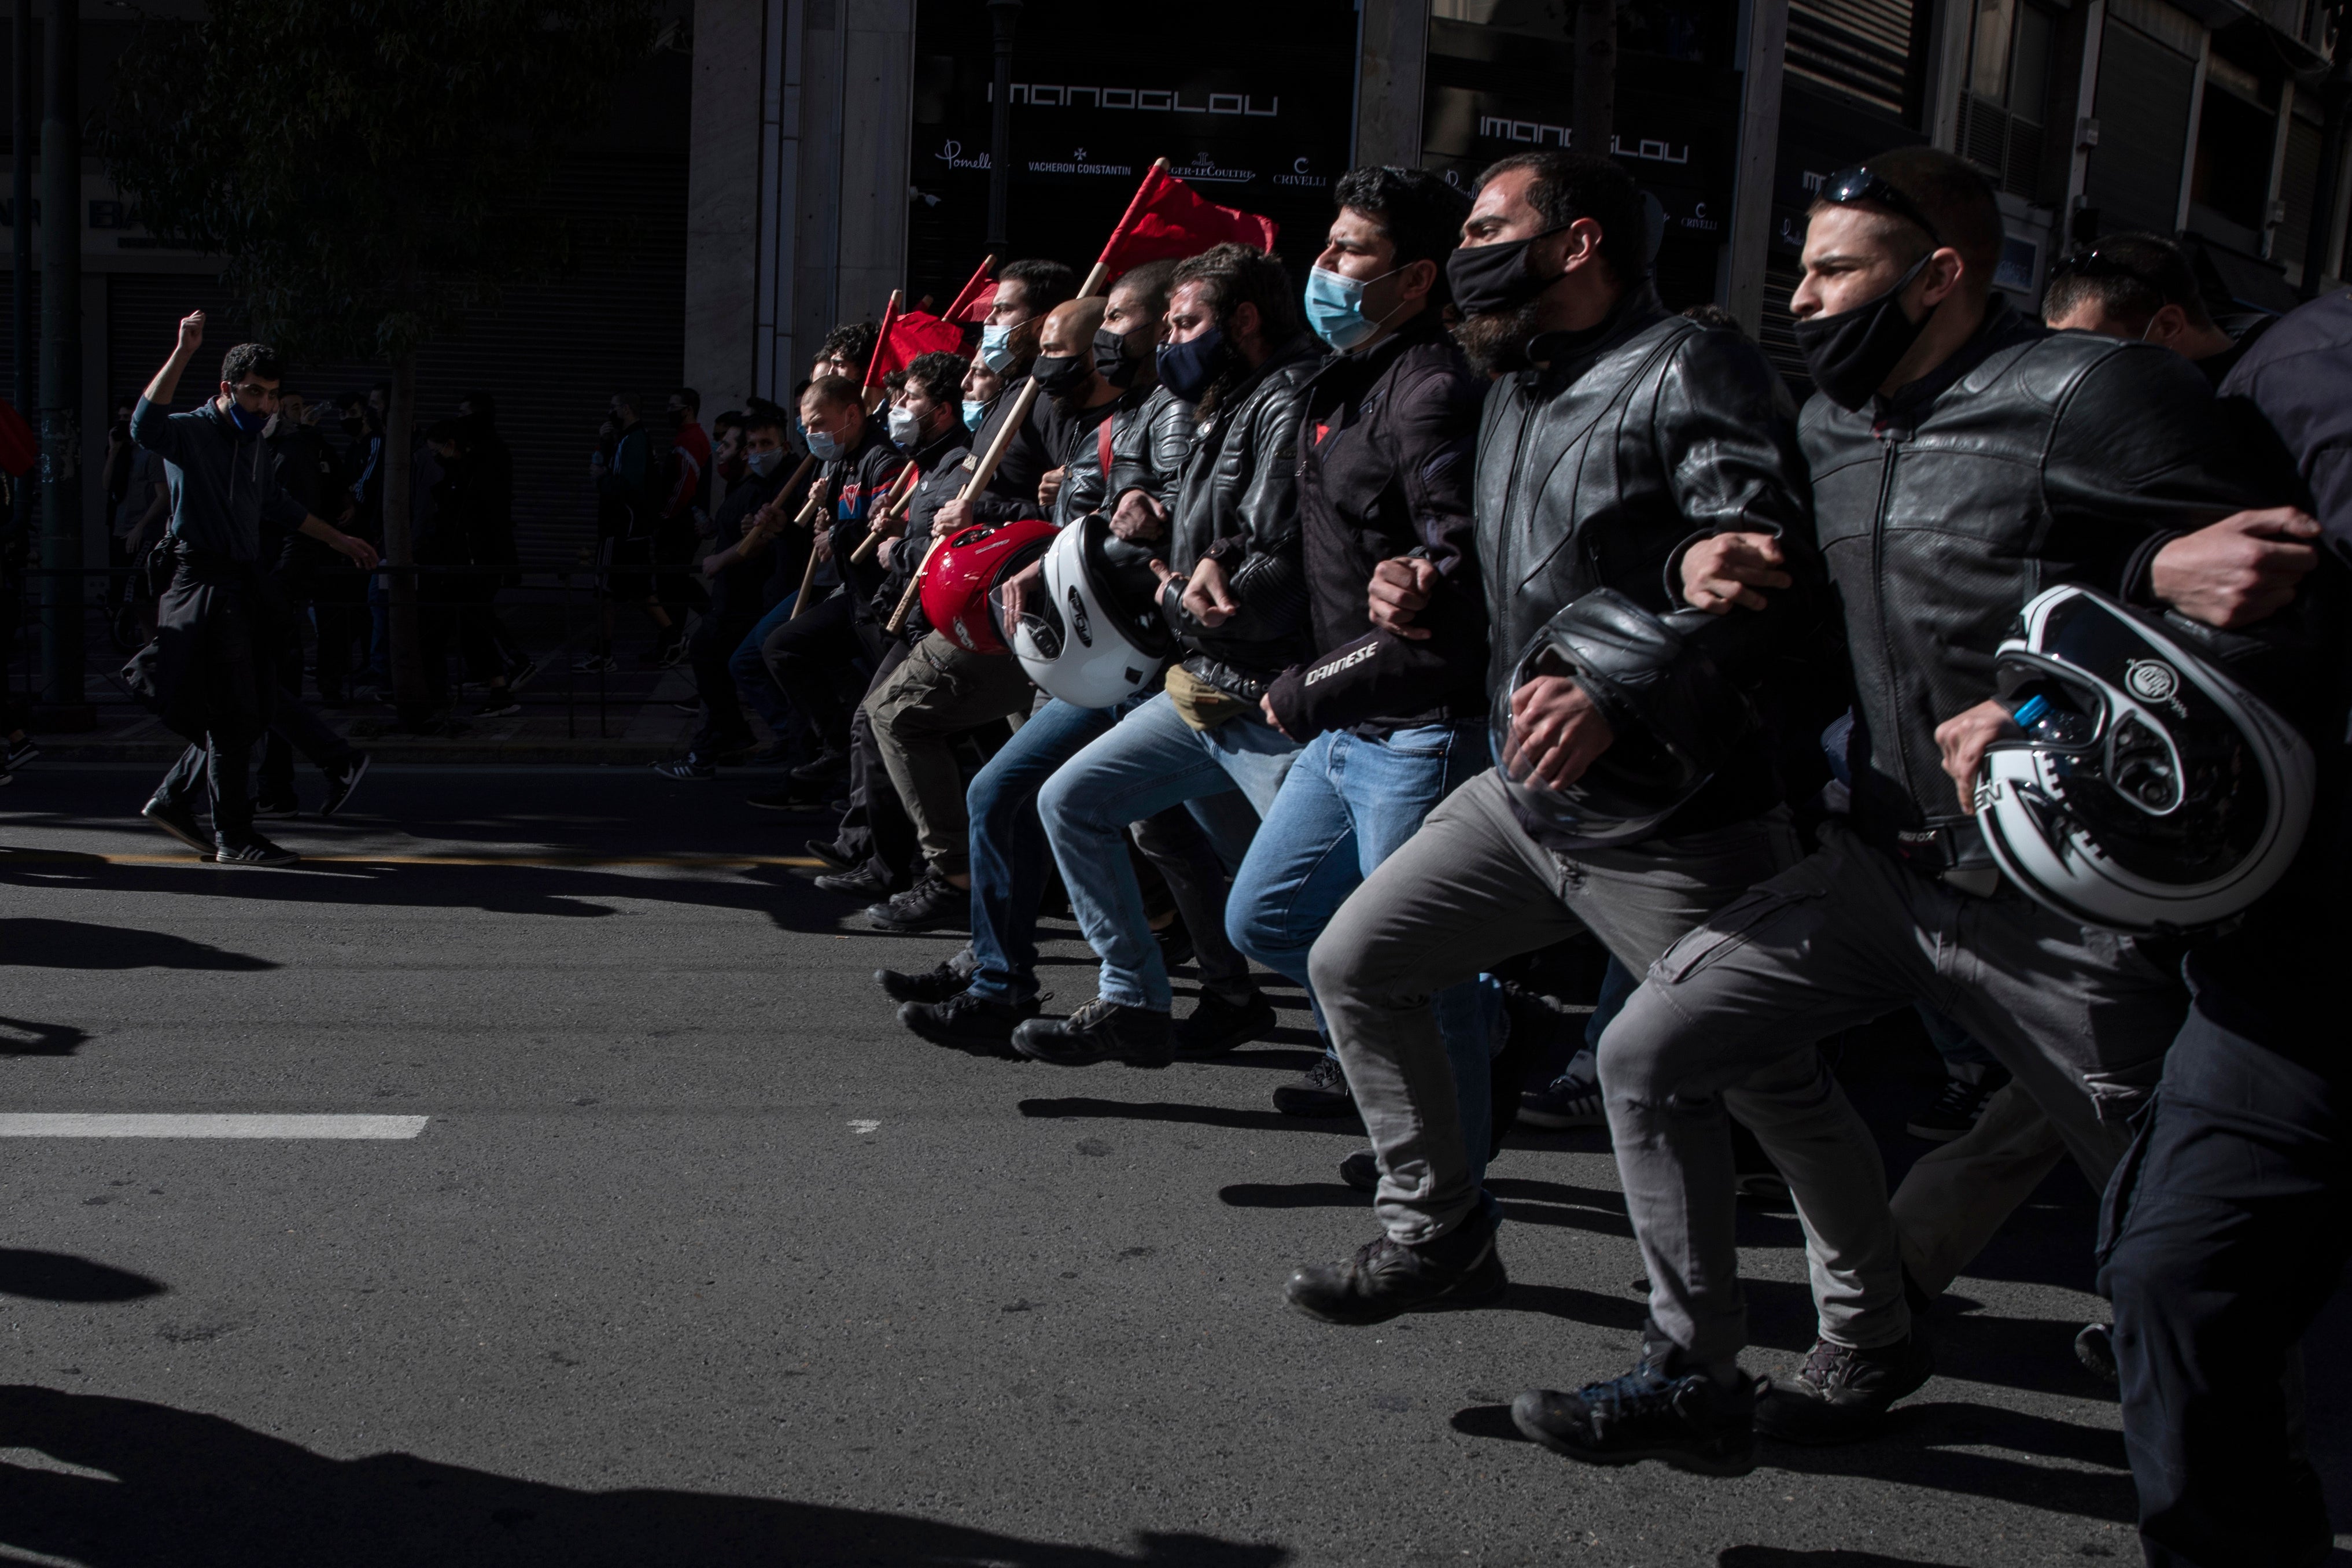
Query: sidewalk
(640, 726)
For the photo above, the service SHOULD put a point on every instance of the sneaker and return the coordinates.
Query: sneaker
(1568, 1101)
(520, 676)
(341, 781)
(968, 1022)
(1361, 1170)
(595, 664)
(859, 882)
(499, 704)
(1653, 1412)
(934, 985)
(829, 766)
(1321, 1090)
(1957, 1107)
(832, 854)
(21, 750)
(689, 766)
(690, 706)
(180, 821)
(1386, 1279)
(1841, 1393)
(255, 850)
(932, 904)
(1097, 1031)
(665, 654)
(2094, 1347)
(1217, 1025)
(274, 810)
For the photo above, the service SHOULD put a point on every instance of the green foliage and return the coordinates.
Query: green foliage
(367, 169)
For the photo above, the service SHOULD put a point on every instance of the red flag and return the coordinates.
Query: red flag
(1168, 219)
(979, 285)
(912, 334)
(976, 304)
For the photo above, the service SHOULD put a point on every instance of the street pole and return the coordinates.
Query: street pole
(60, 468)
(2326, 221)
(21, 63)
(1004, 16)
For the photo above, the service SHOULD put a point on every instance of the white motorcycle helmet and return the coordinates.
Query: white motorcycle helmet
(1094, 636)
(2150, 791)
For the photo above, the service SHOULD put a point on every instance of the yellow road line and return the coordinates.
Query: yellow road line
(60, 857)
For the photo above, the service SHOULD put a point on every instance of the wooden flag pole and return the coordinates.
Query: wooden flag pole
(1019, 414)
(894, 503)
(881, 341)
(808, 573)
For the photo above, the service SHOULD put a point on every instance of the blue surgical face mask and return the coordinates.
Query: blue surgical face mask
(247, 422)
(1190, 368)
(996, 350)
(763, 463)
(974, 413)
(825, 447)
(1335, 308)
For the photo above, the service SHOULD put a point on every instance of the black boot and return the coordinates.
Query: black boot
(1099, 1031)
(1458, 1270)
(1841, 1393)
(1217, 1026)
(1660, 1410)
(968, 1022)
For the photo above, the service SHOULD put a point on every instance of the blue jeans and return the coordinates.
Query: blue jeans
(1148, 761)
(750, 669)
(1008, 845)
(1347, 805)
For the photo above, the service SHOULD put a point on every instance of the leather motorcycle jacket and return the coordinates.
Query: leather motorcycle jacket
(1237, 503)
(1624, 445)
(2028, 459)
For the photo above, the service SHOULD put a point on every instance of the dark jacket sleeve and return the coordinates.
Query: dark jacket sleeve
(2138, 454)
(1433, 420)
(1149, 456)
(1258, 538)
(1726, 433)
(152, 428)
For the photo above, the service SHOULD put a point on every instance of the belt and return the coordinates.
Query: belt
(1953, 853)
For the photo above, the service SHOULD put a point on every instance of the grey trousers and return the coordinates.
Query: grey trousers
(2082, 1017)
(1469, 889)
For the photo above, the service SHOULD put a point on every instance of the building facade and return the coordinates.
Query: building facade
(864, 132)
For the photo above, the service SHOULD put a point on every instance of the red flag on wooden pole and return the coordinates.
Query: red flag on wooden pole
(910, 335)
(978, 294)
(1168, 219)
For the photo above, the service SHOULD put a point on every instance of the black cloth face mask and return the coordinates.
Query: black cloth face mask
(1851, 354)
(1112, 361)
(1058, 375)
(1487, 278)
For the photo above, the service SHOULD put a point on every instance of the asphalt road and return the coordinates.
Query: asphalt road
(701, 1261)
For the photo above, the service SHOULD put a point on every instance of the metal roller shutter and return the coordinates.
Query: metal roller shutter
(552, 354)
(2144, 100)
(2298, 193)
(1859, 47)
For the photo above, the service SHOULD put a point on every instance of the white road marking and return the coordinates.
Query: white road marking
(200, 1124)
(864, 1126)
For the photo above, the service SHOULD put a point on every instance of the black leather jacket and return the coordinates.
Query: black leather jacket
(2030, 459)
(1634, 440)
(1237, 502)
(1149, 454)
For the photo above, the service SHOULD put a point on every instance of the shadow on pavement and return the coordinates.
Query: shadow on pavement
(198, 1491)
(24, 1037)
(62, 1277)
(38, 944)
(1782, 1557)
(1082, 1107)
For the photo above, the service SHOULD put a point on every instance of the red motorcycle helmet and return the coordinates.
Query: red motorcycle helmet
(956, 584)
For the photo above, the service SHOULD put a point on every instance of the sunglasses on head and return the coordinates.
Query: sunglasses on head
(1858, 184)
(2090, 262)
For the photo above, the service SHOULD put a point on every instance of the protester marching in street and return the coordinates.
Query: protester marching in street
(1462, 605)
